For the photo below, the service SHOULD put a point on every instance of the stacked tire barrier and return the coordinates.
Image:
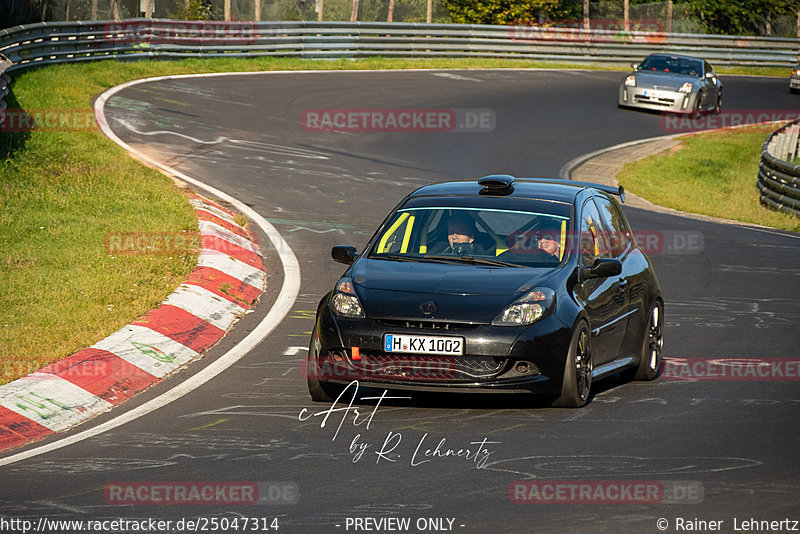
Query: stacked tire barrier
(5, 65)
(778, 178)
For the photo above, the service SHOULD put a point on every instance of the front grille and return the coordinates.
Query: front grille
(426, 325)
(640, 99)
(383, 366)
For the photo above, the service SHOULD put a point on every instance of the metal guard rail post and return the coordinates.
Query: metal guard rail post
(778, 180)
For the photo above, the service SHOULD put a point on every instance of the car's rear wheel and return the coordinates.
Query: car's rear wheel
(577, 382)
(320, 391)
(652, 344)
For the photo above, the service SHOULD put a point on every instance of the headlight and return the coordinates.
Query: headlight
(528, 309)
(630, 81)
(345, 302)
(796, 72)
(685, 88)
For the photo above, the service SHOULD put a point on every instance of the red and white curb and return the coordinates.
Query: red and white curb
(228, 279)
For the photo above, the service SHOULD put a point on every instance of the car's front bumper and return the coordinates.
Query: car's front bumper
(673, 101)
(794, 83)
(496, 359)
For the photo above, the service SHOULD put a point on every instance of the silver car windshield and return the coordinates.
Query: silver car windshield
(677, 65)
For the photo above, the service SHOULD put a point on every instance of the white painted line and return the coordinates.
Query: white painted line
(233, 267)
(206, 305)
(213, 229)
(283, 304)
(147, 349)
(51, 401)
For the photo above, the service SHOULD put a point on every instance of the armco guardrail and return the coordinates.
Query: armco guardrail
(778, 179)
(59, 42)
(55, 42)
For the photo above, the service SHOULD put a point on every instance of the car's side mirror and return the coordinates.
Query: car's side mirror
(602, 268)
(709, 74)
(344, 254)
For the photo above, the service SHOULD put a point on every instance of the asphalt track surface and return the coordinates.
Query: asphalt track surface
(736, 297)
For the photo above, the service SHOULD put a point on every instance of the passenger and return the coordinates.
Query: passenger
(548, 239)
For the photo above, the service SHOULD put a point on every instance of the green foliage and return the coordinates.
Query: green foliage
(737, 17)
(503, 11)
(195, 10)
(712, 173)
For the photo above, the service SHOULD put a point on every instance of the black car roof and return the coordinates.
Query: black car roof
(551, 189)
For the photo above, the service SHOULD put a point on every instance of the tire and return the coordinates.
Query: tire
(652, 344)
(320, 391)
(718, 107)
(697, 109)
(577, 383)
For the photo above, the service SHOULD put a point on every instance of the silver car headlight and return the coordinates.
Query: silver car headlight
(529, 308)
(685, 88)
(345, 302)
(630, 81)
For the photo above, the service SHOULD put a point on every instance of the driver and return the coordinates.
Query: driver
(460, 235)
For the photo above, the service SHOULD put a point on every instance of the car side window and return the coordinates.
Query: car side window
(593, 239)
(616, 226)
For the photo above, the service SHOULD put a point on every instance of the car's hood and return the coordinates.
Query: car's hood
(668, 81)
(461, 293)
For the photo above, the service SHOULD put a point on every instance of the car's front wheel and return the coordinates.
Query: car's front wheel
(319, 391)
(652, 344)
(577, 381)
(697, 109)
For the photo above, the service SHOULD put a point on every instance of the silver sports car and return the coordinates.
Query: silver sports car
(794, 81)
(679, 84)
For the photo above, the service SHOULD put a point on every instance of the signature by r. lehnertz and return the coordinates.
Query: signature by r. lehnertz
(426, 450)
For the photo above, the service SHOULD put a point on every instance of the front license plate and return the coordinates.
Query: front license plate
(449, 346)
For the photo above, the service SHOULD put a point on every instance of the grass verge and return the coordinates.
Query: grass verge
(62, 192)
(712, 174)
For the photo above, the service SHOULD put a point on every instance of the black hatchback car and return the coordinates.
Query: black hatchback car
(495, 285)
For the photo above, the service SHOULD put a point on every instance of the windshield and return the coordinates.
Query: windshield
(473, 235)
(678, 65)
